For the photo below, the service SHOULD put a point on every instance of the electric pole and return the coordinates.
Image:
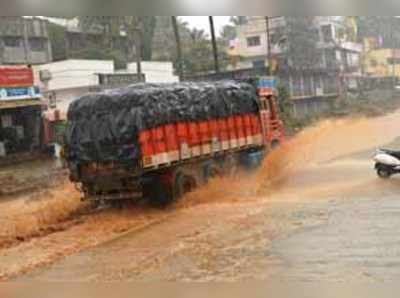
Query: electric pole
(214, 44)
(268, 45)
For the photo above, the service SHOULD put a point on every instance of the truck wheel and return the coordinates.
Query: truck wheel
(231, 166)
(183, 185)
(275, 145)
(212, 171)
(158, 193)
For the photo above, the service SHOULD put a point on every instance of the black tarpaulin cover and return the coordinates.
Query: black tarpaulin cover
(105, 126)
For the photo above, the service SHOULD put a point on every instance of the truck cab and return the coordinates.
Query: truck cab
(273, 127)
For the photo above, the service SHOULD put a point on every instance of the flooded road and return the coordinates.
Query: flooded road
(315, 211)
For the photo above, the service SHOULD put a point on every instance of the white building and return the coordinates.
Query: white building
(337, 49)
(64, 81)
(312, 89)
(70, 79)
(156, 72)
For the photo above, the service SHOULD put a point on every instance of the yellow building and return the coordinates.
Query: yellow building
(382, 62)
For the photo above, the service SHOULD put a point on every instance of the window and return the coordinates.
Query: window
(392, 61)
(253, 41)
(258, 63)
(373, 63)
(12, 41)
(6, 121)
(37, 44)
(327, 33)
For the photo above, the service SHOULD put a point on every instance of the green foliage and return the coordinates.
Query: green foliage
(292, 124)
(385, 27)
(149, 25)
(301, 42)
(97, 52)
(138, 30)
(228, 32)
(57, 37)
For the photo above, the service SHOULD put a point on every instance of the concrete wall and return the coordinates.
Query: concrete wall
(74, 73)
(311, 107)
(376, 63)
(25, 32)
(156, 72)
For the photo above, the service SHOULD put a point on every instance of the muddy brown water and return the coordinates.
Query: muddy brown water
(318, 193)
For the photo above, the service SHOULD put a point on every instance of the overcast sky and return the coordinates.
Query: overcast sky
(201, 22)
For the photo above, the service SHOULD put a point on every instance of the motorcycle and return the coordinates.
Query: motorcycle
(387, 163)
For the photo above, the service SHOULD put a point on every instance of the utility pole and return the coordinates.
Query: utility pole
(178, 47)
(137, 31)
(393, 56)
(214, 44)
(268, 45)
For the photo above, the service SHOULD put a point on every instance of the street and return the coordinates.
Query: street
(315, 211)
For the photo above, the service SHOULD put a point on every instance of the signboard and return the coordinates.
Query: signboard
(16, 77)
(267, 86)
(19, 93)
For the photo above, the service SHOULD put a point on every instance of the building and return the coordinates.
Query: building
(20, 112)
(76, 40)
(24, 41)
(156, 72)
(312, 88)
(64, 81)
(382, 63)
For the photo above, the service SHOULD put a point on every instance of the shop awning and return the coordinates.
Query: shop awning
(21, 104)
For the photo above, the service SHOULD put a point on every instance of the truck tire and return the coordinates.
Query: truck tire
(183, 185)
(275, 144)
(159, 193)
(212, 171)
(231, 165)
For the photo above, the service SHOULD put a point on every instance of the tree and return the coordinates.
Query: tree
(238, 20)
(385, 29)
(57, 37)
(227, 33)
(197, 35)
(138, 29)
(178, 46)
(149, 25)
(299, 42)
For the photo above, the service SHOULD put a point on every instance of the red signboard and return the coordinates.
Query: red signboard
(16, 77)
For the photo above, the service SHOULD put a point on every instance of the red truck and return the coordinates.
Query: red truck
(176, 155)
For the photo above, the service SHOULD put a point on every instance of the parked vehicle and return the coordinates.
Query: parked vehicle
(387, 163)
(180, 143)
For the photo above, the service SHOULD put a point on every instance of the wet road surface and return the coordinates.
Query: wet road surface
(329, 218)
